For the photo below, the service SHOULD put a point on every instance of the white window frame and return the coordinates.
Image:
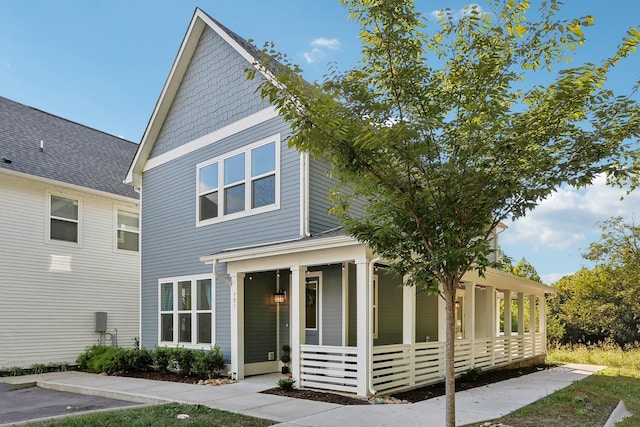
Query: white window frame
(116, 211)
(194, 312)
(49, 217)
(248, 180)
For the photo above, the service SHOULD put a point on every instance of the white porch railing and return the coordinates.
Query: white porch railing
(329, 368)
(403, 366)
(399, 367)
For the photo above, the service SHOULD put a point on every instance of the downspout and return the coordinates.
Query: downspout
(372, 263)
(304, 195)
(218, 276)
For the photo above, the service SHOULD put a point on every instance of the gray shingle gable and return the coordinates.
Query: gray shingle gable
(73, 153)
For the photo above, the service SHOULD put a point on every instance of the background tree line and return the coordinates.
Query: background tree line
(601, 303)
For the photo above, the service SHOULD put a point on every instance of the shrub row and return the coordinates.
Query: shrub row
(198, 363)
(36, 368)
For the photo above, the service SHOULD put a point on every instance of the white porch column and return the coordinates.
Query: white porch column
(297, 321)
(542, 326)
(365, 338)
(532, 322)
(507, 312)
(442, 317)
(409, 326)
(507, 320)
(520, 313)
(237, 326)
(345, 304)
(490, 315)
(470, 316)
(490, 311)
(470, 310)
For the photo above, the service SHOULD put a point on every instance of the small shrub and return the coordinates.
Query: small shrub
(38, 368)
(100, 358)
(184, 359)
(207, 364)
(471, 375)
(16, 371)
(61, 367)
(160, 359)
(286, 384)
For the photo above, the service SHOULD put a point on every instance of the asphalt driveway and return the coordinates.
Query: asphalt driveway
(35, 402)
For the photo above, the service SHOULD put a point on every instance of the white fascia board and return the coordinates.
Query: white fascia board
(215, 136)
(74, 187)
(183, 59)
(235, 45)
(169, 90)
(282, 249)
(503, 280)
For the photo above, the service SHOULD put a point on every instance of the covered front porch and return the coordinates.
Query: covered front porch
(353, 327)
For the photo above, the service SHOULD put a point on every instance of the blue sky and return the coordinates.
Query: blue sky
(103, 63)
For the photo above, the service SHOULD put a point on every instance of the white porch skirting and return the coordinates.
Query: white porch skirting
(403, 366)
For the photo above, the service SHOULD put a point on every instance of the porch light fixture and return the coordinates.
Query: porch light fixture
(280, 297)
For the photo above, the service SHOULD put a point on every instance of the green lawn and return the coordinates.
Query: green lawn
(162, 415)
(588, 402)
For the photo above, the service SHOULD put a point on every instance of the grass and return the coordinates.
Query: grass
(588, 402)
(162, 415)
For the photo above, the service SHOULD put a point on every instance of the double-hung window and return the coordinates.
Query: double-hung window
(127, 230)
(186, 311)
(243, 182)
(64, 218)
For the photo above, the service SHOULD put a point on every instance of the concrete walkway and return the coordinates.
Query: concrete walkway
(473, 406)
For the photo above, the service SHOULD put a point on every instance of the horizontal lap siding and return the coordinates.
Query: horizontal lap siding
(390, 306)
(173, 245)
(214, 93)
(48, 315)
(319, 186)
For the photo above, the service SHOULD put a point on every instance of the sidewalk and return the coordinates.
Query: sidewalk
(473, 406)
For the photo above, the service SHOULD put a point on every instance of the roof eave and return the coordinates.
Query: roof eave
(303, 245)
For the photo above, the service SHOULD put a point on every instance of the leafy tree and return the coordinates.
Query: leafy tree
(437, 131)
(522, 269)
(604, 302)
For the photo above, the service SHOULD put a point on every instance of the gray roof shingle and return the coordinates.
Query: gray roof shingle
(73, 153)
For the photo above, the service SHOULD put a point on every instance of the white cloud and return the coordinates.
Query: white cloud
(569, 218)
(331, 44)
(552, 278)
(319, 48)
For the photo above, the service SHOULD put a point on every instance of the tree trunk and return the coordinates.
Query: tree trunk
(449, 353)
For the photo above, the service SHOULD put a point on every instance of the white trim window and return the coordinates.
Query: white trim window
(127, 230)
(64, 218)
(186, 314)
(240, 183)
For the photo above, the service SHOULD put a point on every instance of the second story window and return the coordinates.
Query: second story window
(239, 183)
(64, 219)
(127, 231)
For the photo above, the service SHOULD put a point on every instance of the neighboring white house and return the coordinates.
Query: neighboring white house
(69, 238)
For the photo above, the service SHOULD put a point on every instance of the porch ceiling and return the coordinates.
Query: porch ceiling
(502, 280)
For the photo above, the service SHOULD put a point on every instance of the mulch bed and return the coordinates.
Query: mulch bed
(412, 396)
(489, 377)
(415, 395)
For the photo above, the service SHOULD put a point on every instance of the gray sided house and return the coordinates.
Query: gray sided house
(239, 251)
(70, 238)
